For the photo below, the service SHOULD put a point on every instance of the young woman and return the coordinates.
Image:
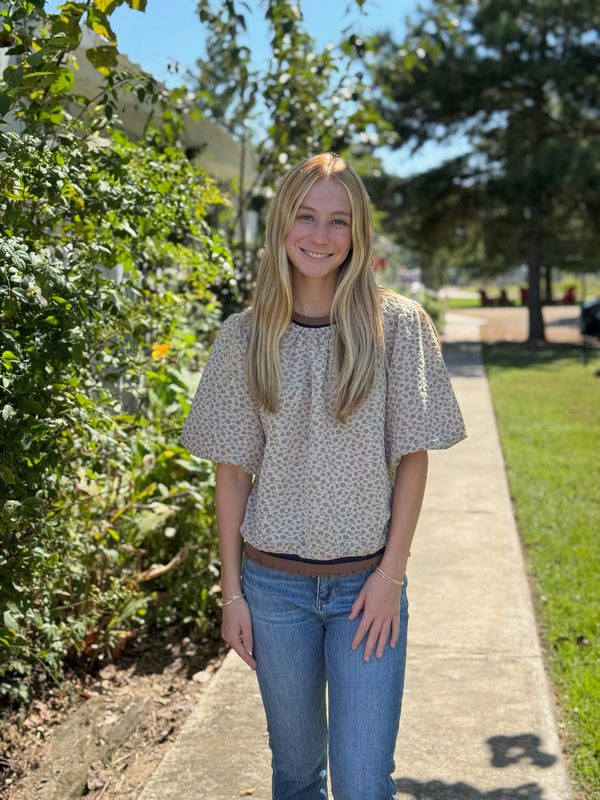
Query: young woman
(319, 405)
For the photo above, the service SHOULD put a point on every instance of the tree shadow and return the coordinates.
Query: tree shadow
(565, 322)
(463, 359)
(507, 750)
(519, 355)
(438, 790)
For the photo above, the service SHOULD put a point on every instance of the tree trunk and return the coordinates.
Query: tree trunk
(427, 270)
(242, 207)
(534, 262)
(548, 284)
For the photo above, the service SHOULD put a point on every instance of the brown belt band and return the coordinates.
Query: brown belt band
(295, 567)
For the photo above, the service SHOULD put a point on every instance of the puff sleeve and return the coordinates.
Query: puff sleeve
(224, 422)
(422, 412)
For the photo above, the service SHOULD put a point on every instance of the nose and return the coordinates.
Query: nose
(320, 232)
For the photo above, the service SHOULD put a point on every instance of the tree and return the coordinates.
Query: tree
(37, 86)
(307, 100)
(430, 215)
(519, 80)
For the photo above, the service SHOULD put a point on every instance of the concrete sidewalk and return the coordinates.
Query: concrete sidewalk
(477, 721)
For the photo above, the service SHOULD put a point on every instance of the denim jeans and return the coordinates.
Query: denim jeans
(302, 644)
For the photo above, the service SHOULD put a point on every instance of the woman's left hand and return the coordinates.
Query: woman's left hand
(379, 601)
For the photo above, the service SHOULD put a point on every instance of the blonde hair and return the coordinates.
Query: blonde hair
(355, 313)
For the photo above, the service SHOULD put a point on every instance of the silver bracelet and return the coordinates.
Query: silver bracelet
(388, 577)
(233, 599)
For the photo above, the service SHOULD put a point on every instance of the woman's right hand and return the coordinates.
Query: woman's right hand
(236, 629)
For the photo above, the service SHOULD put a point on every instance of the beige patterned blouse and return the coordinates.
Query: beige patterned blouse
(323, 489)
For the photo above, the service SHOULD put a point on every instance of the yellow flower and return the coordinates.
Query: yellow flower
(160, 350)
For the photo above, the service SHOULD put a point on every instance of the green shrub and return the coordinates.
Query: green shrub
(434, 307)
(106, 524)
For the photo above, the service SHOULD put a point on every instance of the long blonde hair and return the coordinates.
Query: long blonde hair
(355, 310)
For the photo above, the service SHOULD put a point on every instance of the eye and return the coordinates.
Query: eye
(339, 222)
(305, 217)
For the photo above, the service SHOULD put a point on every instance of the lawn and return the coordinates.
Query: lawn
(464, 302)
(547, 404)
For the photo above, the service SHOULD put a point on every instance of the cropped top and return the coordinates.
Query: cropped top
(322, 488)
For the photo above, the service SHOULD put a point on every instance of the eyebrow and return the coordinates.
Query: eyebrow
(333, 213)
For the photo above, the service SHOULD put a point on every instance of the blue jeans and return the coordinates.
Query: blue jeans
(302, 643)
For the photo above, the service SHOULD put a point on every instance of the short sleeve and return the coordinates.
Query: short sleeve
(223, 423)
(422, 412)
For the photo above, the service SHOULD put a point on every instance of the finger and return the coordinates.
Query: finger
(244, 654)
(357, 606)
(242, 645)
(382, 640)
(395, 635)
(371, 642)
(246, 638)
(361, 632)
(239, 641)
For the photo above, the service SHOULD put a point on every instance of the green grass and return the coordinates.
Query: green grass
(464, 302)
(547, 404)
(591, 286)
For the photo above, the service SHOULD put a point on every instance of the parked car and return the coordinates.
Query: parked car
(590, 318)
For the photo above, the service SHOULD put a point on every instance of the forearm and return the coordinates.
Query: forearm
(409, 489)
(233, 487)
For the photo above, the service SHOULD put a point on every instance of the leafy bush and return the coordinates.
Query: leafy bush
(434, 307)
(105, 274)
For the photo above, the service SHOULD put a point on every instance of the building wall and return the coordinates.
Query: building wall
(212, 147)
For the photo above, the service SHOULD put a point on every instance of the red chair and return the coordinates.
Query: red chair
(569, 296)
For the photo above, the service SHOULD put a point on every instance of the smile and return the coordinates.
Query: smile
(310, 254)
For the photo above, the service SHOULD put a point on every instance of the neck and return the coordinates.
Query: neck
(313, 298)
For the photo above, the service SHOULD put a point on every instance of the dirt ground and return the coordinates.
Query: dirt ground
(511, 323)
(174, 672)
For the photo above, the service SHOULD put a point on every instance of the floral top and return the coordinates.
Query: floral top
(323, 489)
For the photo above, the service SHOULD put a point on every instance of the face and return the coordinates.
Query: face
(321, 235)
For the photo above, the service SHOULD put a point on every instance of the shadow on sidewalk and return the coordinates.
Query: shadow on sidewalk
(438, 790)
(505, 750)
(463, 359)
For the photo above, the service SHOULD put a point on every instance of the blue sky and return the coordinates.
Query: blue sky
(170, 31)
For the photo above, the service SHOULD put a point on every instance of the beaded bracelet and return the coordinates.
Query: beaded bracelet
(233, 599)
(388, 577)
